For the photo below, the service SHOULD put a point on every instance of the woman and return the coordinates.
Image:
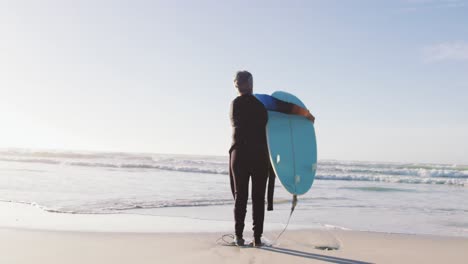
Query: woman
(249, 151)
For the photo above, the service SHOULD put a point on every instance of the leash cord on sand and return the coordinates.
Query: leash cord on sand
(222, 240)
(294, 203)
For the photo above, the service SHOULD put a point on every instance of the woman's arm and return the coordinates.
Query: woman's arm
(297, 110)
(273, 104)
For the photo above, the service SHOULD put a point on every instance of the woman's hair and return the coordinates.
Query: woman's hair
(243, 81)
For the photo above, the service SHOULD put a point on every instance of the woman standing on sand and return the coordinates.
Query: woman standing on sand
(249, 151)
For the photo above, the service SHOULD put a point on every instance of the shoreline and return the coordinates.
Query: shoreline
(25, 216)
(19, 216)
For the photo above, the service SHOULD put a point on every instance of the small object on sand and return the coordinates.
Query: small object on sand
(326, 248)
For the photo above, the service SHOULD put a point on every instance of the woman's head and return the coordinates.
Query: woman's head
(243, 82)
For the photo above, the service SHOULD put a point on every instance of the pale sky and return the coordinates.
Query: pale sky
(386, 80)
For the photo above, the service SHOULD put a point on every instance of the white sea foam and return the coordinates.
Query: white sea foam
(115, 206)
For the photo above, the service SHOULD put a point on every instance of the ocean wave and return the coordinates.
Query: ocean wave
(73, 154)
(327, 170)
(45, 161)
(425, 177)
(93, 164)
(398, 171)
(377, 189)
(393, 179)
(176, 168)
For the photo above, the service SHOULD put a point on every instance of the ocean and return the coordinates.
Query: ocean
(406, 198)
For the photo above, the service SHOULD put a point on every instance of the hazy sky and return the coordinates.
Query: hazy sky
(386, 80)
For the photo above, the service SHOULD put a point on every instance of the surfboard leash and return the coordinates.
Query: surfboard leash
(223, 242)
(293, 206)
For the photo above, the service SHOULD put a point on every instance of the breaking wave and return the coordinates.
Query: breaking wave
(410, 173)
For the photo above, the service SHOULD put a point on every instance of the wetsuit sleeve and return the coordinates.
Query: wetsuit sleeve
(234, 114)
(273, 104)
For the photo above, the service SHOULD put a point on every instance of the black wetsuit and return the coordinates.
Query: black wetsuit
(249, 157)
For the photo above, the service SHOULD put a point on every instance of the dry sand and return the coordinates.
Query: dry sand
(54, 247)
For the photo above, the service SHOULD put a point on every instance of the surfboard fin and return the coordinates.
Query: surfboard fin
(314, 166)
(297, 179)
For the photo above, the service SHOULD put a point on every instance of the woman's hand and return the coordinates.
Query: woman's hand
(310, 117)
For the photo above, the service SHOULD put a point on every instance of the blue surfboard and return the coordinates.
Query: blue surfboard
(292, 146)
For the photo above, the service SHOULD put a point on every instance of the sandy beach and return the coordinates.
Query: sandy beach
(30, 235)
(33, 246)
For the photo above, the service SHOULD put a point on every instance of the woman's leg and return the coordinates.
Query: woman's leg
(259, 180)
(240, 171)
